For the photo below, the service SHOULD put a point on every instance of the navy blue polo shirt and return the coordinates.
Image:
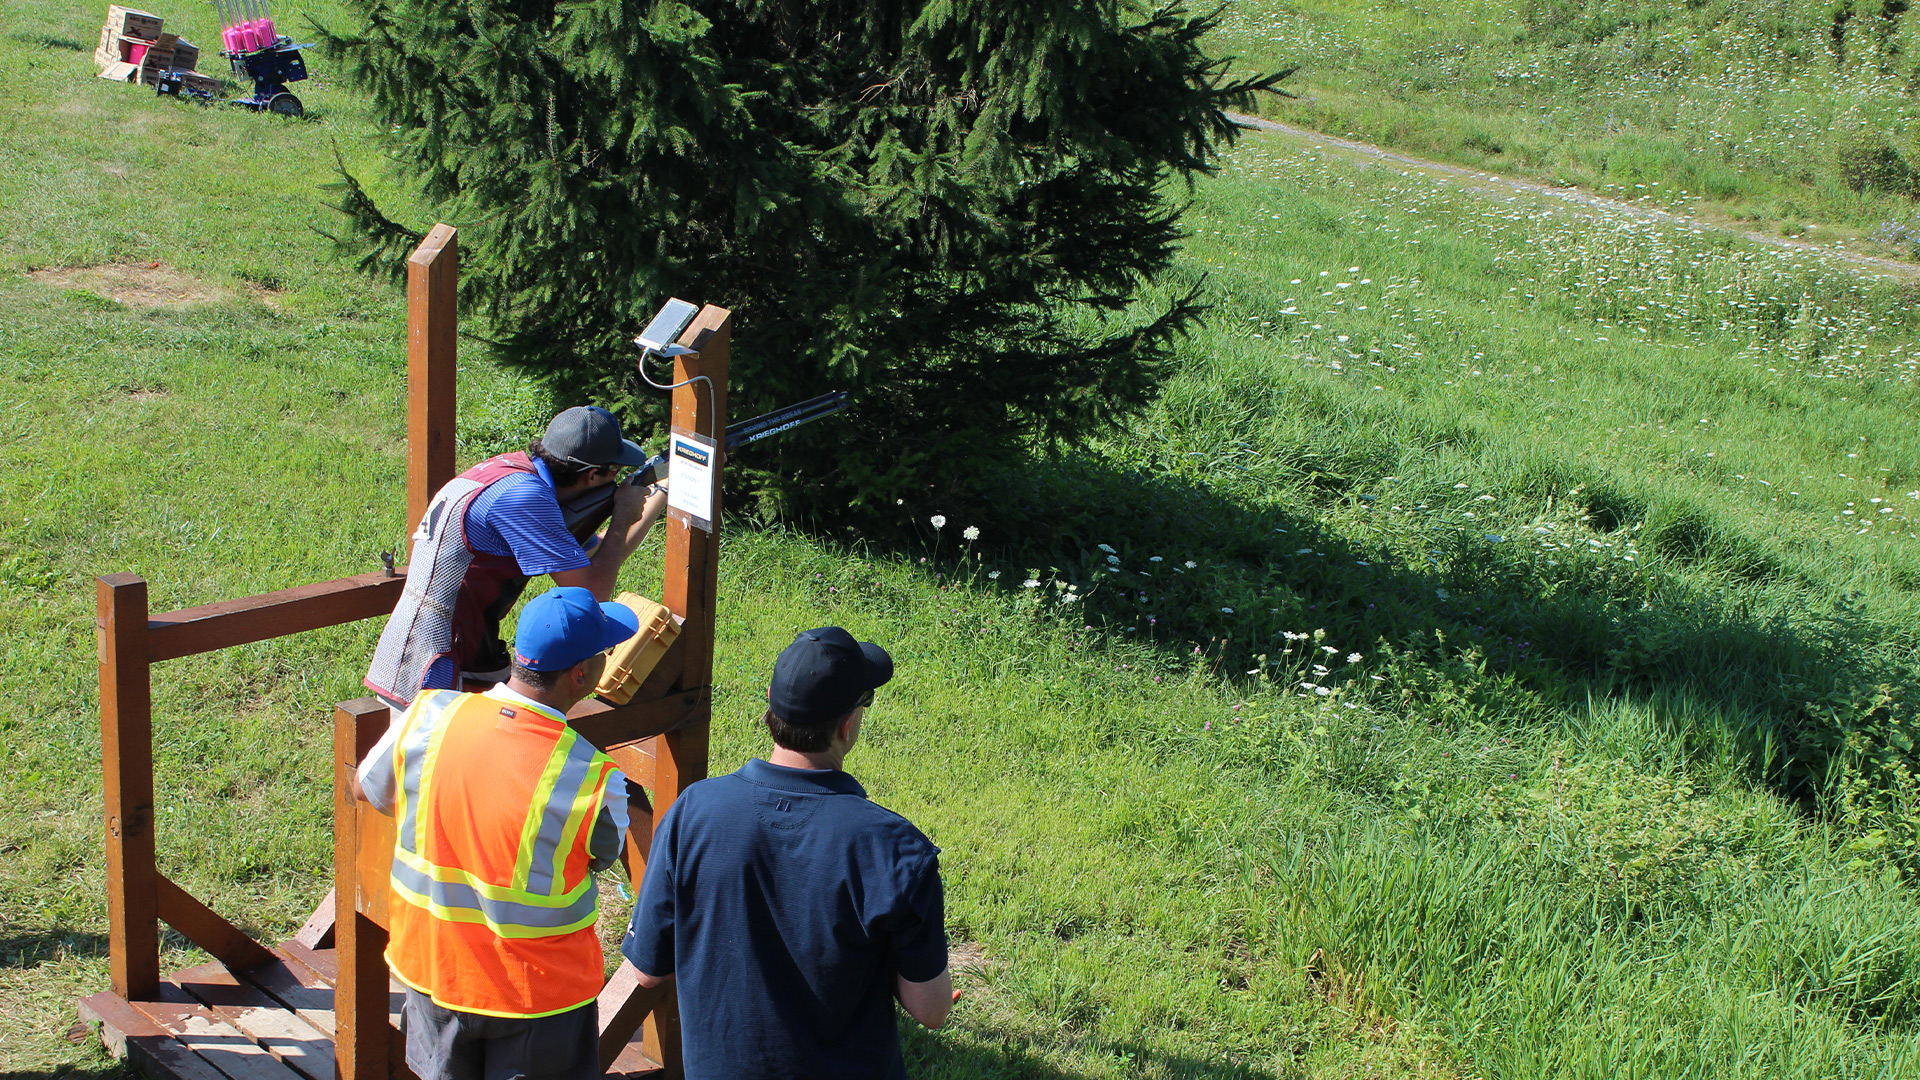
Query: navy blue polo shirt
(784, 903)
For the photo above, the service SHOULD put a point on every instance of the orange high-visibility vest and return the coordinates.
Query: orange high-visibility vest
(493, 903)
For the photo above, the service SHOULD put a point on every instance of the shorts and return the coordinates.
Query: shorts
(446, 1044)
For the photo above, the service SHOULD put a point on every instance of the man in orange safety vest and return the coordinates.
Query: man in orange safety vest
(502, 814)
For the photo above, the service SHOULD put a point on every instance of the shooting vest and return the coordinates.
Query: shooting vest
(455, 596)
(493, 904)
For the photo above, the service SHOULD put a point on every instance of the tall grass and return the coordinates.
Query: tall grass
(1516, 457)
(1774, 111)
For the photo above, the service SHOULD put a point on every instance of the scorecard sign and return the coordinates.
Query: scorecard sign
(690, 461)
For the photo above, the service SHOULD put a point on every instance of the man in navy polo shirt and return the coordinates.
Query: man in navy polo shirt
(791, 911)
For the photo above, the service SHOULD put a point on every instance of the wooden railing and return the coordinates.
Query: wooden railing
(131, 641)
(659, 740)
(139, 896)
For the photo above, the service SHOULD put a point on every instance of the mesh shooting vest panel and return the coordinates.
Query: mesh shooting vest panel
(451, 605)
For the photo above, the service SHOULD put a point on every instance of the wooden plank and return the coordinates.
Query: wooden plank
(126, 768)
(633, 1064)
(318, 931)
(325, 963)
(205, 928)
(624, 1003)
(689, 589)
(322, 962)
(608, 726)
(362, 1044)
(433, 278)
(278, 1030)
(298, 988)
(218, 1043)
(690, 583)
(636, 761)
(660, 1038)
(639, 847)
(373, 858)
(270, 615)
(128, 1033)
(684, 761)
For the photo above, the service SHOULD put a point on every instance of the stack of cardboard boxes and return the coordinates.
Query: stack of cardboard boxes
(133, 48)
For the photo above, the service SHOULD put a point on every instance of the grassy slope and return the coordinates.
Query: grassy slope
(252, 441)
(1733, 108)
(1469, 866)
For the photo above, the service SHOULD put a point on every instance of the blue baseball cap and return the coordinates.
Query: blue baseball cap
(563, 626)
(824, 674)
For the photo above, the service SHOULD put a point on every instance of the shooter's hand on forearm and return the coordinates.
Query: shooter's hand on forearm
(635, 509)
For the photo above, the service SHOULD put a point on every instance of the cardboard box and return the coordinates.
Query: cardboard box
(120, 71)
(158, 55)
(129, 22)
(186, 57)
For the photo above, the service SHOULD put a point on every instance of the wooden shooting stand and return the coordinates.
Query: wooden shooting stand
(321, 1005)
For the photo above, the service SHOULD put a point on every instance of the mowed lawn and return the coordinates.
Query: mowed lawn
(1420, 689)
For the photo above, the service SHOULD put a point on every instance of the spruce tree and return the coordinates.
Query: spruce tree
(958, 209)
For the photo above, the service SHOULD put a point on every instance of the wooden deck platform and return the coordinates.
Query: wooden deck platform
(271, 1022)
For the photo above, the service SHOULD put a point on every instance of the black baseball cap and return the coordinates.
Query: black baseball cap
(824, 674)
(590, 435)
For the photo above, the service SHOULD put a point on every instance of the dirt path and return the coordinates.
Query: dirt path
(1486, 181)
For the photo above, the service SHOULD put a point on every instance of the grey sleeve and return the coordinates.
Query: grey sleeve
(377, 781)
(609, 837)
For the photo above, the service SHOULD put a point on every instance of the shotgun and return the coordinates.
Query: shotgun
(591, 510)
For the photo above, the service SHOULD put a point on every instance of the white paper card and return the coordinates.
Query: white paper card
(691, 478)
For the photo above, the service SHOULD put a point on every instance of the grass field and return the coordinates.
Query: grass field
(1795, 115)
(1491, 657)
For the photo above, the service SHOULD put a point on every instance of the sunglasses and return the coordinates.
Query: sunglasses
(866, 699)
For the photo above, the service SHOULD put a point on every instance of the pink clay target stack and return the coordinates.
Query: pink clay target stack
(246, 25)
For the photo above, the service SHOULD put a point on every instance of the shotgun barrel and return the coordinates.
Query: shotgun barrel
(779, 420)
(585, 515)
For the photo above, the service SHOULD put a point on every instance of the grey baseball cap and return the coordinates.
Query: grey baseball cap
(590, 435)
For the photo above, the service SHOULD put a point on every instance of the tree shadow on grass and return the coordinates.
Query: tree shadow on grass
(964, 1057)
(47, 41)
(114, 1071)
(1476, 624)
(34, 947)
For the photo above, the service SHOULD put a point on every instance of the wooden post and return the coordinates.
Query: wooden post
(362, 1034)
(433, 338)
(693, 554)
(691, 586)
(126, 766)
(433, 278)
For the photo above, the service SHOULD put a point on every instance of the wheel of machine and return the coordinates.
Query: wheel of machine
(286, 105)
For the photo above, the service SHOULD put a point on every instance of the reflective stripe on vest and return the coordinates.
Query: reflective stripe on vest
(493, 898)
(536, 901)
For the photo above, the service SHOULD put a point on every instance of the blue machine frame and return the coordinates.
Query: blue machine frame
(271, 69)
